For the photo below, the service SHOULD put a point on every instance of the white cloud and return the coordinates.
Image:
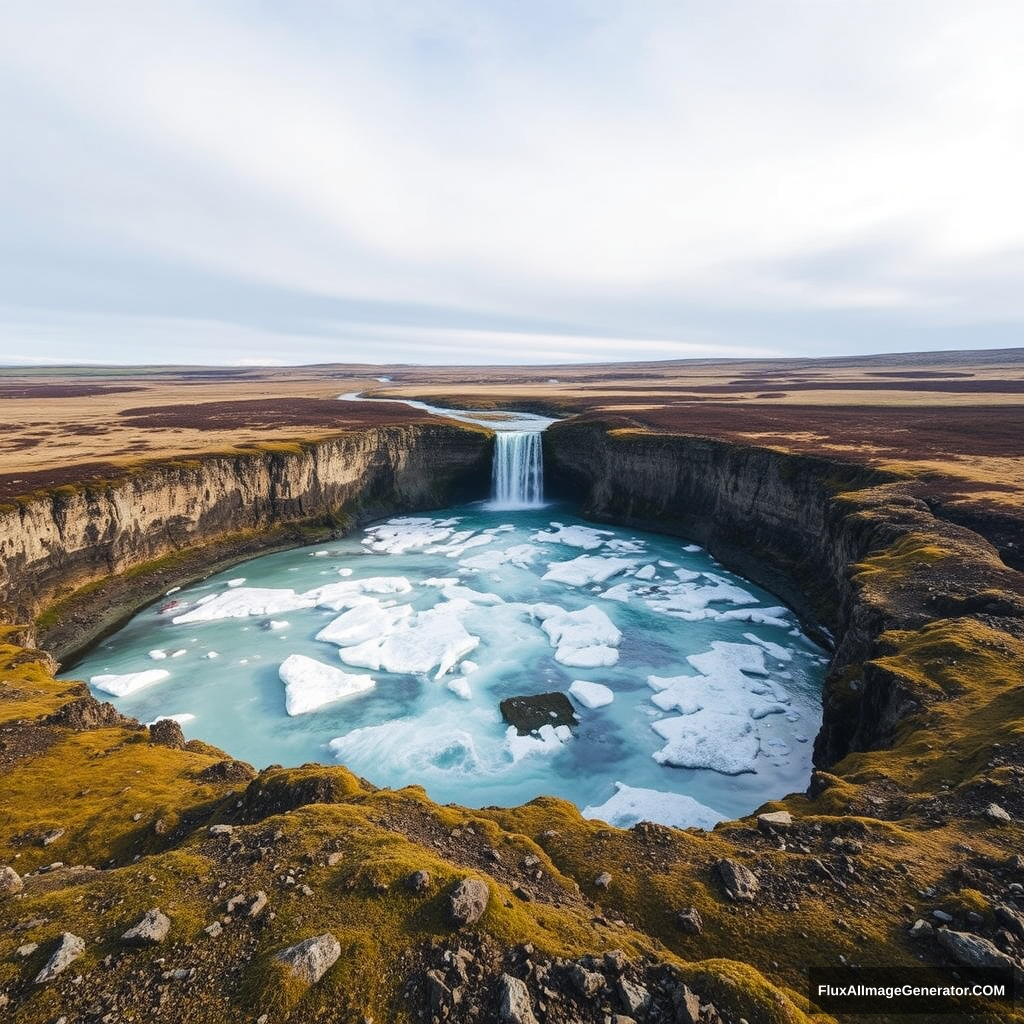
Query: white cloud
(607, 167)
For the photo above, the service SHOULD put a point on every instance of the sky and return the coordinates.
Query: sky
(509, 181)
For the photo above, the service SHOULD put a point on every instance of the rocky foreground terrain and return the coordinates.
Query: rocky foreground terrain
(146, 878)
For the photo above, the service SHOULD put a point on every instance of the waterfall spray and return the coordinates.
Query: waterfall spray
(518, 473)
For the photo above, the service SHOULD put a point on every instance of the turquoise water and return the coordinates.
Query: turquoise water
(744, 713)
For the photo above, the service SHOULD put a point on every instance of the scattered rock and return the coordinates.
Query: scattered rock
(635, 998)
(86, 713)
(515, 1005)
(1012, 919)
(52, 836)
(311, 959)
(10, 881)
(221, 830)
(167, 733)
(603, 880)
(69, 948)
(921, 929)
(259, 901)
(775, 821)
(997, 814)
(739, 882)
(334, 859)
(26, 950)
(587, 983)
(468, 901)
(980, 955)
(687, 1005)
(151, 930)
(418, 881)
(528, 714)
(941, 915)
(689, 920)
(213, 930)
(228, 771)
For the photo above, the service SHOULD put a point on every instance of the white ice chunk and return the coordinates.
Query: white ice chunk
(310, 684)
(777, 651)
(459, 685)
(435, 637)
(620, 592)
(647, 572)
(211, 655)
(693, 548)
(598, 656)
(585, 537)
(277, 624)
(548, 739)
(631, 804)
(236, 582)
(708, 739)
(158, 655)
(591, 695)
(585, 628)
(243, 601)
(578, 572)
(362, 623)
(761, 616)
(468, 667)
(129, 682)
(397, 536)
(519, 555)
(350, 593)
(726, 659)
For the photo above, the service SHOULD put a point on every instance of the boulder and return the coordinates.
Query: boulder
(311, 959)
(635, 998)
(738, 881)
(68, 949)
(86, 713)
(603, 880)
(997, 814)
(775, 821)
(10, 881)
(165, 732)
(587, 983)
(687, 1005)
(981, 956)
(418, 881)
(528, 714)
(514, 1005)
(151, 930)
(690, 921)
(467, 901)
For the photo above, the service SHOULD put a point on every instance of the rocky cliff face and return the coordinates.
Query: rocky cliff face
(808, 529)
(224, 505)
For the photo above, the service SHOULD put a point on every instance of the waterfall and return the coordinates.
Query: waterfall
(518, 473)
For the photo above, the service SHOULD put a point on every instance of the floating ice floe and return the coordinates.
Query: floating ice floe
(310, 684)
(632, 804)
(693, 548)
(585, 537)
(620, 592)
(158, 654)
(244, 601)
(236, 582)
(687, 600)
(397, 536)
(708, 739)
(578, 572)
(777, 651)
(519, 555)
(129, 682)
(548, 739)
(349, 593)
(459, 685)
(591, 695)
(210, 655)
(586, 638)
(428, 639)
(459, 543)
(647, 572)
(362, 623)
(775, 616)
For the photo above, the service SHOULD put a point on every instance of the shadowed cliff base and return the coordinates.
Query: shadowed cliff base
(901, 861)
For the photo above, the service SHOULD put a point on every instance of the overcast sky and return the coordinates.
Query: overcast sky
(508, 180)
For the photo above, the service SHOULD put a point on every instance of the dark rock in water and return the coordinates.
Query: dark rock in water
(165, 732)
(528, 714)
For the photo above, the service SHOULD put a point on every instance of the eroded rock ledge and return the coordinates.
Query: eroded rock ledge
(902, 861)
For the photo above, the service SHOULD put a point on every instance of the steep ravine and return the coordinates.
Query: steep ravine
(114, 546)
(917, 807)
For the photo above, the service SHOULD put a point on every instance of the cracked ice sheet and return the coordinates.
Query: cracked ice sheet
(310, 684)
(362, 623)
(585, 537)
(244, 601)
(407, 533)
(519, 555)
(708, 739)
(428, 639)
(578, 572)
(585, 638)
(631, 804)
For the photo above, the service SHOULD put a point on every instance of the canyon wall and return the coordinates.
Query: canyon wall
(194, 515)
(845, 545)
